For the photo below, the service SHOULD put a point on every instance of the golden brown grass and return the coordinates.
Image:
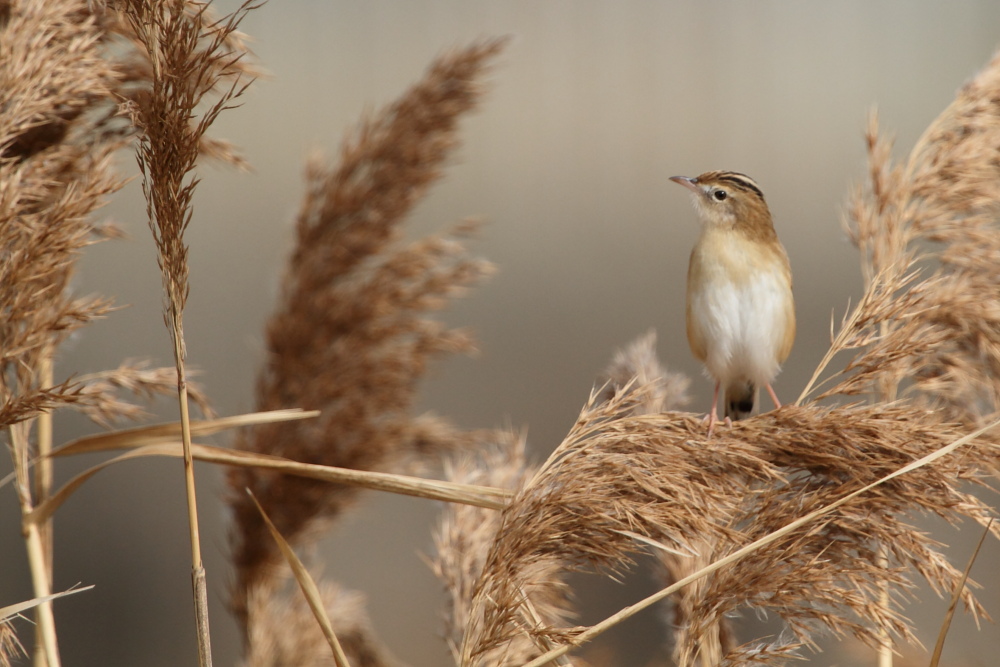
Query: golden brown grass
(800, 513)
(350, 335)
(620, 481)
(462, 542)
(56, 90)
(191, 55)
(10, 647)
(67, 66)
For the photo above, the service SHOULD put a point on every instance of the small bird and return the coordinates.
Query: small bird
(740, 310)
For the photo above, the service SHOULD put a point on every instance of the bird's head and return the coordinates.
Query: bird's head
(727, 199)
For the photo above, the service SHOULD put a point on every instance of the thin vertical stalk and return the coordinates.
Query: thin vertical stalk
(43, 487)
(888, 390)
(191, 54)
(48, 656)
(198, 580)
(41, 584)
(885, 648)
(43, 466)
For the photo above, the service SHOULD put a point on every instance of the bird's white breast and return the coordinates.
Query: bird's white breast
(740, 309)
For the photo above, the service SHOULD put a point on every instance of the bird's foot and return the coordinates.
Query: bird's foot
(711, 419)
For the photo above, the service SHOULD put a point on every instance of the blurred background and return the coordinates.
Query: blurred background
(593, 107)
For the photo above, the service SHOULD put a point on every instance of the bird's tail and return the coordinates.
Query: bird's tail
(740, 398)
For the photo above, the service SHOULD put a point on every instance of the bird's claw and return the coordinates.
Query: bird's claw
(712, 420)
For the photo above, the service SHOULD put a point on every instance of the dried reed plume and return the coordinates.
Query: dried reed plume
(930, 249)
(655, 478)
(351, 336)
(465, 533)
(55, 172)
(462, 539)
(50, 184)
(61, 82)
(190, 56)
(283, 630)
(627, 479)
(10, 648)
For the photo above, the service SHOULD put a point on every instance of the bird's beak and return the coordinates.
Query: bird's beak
(690, 183)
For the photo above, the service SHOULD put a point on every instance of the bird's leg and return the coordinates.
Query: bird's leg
(712, 416)
(774, 397)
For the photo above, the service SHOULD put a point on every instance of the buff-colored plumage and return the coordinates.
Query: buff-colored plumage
(740, 311)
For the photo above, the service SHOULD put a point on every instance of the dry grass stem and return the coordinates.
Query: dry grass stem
(351, 335)
(467, 494)
(190, 57)
(309, 589)
(10, 611)
(955, 597)
(171, 431)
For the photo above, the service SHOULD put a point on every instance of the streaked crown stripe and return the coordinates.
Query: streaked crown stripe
(741, 180)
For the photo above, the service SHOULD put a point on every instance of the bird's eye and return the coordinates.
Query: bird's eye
(720, 195)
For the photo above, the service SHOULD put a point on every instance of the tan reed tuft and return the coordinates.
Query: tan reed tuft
(927, 232)
(351, 335)
(629, 478)
(100, 396)
(283, 630)
(656, 478)
(191, 55)
(779, 465)
(10, 647)
(930, 249)
(65, 70)
(55, 172)
(462, 541)
(537, 540)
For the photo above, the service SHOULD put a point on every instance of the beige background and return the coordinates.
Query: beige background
(594, 105)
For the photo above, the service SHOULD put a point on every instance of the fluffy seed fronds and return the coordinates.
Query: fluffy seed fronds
(99, 392)
(53, 176)
(97, 395)
(655, 479)
(57, 89)
(535, 539)
(190, 57)
(351, 336)
(462, 541)
(10, 647)
(283, 630)
(638, 363)
(929, 237)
